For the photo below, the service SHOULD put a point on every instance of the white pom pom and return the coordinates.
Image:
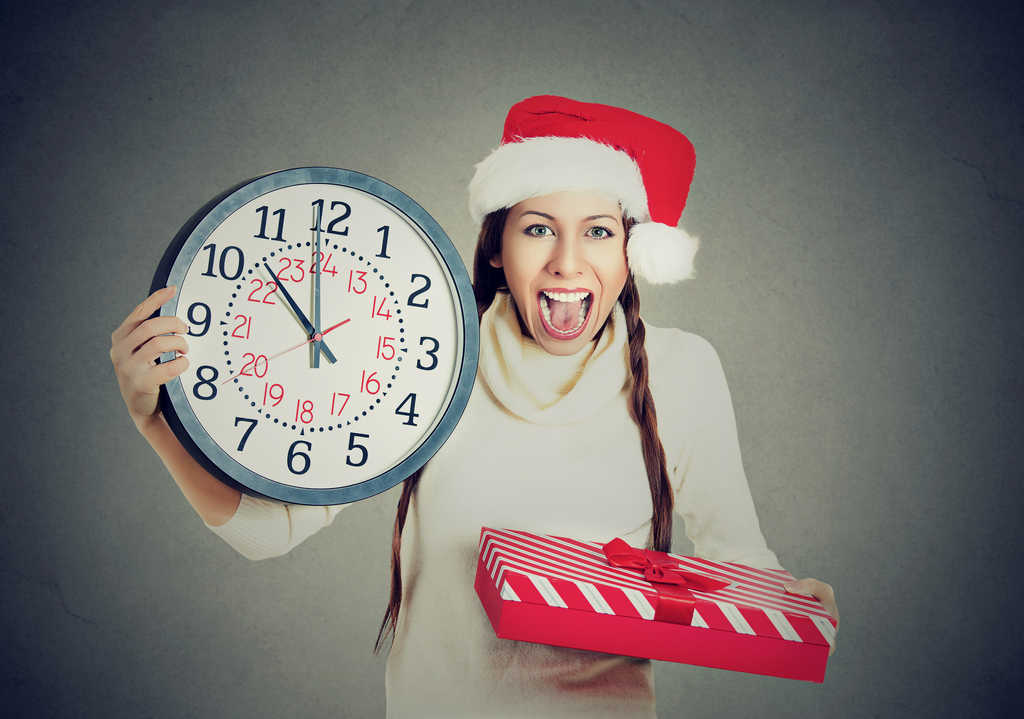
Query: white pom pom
(661, 254)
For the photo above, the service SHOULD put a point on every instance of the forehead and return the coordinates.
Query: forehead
(569, 204)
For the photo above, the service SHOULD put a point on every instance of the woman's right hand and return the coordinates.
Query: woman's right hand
(134, 349)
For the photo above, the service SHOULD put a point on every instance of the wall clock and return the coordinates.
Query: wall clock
(333, 336)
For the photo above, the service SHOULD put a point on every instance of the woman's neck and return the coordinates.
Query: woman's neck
(545, 388)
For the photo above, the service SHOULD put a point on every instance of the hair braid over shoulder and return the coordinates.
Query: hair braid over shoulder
(642, 408)
(487, 281)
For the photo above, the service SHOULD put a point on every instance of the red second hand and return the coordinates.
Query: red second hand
(315, 338)
(334, 327)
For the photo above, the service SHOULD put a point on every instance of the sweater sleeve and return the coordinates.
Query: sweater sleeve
(264, 528)
(711, 489)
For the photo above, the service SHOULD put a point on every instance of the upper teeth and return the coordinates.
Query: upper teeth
(565, 296)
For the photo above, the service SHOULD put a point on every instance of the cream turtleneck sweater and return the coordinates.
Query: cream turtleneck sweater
(546, 445)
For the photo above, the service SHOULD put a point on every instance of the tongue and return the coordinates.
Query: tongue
(564, 315)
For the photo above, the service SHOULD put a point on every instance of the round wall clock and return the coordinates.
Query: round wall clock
(333, 336)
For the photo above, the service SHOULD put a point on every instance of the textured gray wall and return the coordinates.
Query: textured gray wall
(859, 194)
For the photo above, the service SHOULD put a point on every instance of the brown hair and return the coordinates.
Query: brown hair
(487, 282)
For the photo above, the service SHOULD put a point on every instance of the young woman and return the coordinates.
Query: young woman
(584, 421)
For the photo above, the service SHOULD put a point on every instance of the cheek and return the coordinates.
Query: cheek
(520, 265)
(613, 279)
(613, 270)
(515, 277)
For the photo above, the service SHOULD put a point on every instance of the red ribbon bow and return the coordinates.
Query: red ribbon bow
(675, 601)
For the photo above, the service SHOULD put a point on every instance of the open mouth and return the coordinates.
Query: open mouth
(564, 314)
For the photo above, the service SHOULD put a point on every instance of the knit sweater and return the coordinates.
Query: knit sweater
(546, 445)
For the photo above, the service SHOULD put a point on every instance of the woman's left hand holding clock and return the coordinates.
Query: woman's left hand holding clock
(135, 347)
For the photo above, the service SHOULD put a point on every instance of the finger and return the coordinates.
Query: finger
(831, 608)
(810, 586)
(143, 399)
(821, 591)
(147, 380)
(132, 371)
(143, 310)
(143, 333)
(166, 371)
(156, 346)
(802, 586)
(153, 328)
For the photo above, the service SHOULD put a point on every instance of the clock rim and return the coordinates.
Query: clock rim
(203, 222)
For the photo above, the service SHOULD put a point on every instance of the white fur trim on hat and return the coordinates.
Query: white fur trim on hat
(661, 254)
(543, 165)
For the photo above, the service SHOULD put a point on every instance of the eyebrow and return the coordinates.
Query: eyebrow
(550, 217)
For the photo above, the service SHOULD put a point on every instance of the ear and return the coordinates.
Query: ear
(496, 262)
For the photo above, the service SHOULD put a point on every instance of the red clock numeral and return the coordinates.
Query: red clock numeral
(287, 265)
(385, 350)
(327, 268)
(368, 384)
(259, 286)
(377, 309)
(274, 391)
(304, 410)
(243, 328)
(254, 365)
(336, 397)
(356, 278)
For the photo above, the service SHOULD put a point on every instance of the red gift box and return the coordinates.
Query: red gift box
(616, 599)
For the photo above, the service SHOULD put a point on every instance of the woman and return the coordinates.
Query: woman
(560, 435)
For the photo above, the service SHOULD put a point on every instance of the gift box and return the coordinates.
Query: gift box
(613, 598)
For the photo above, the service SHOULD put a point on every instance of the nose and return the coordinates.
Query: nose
(566, 258)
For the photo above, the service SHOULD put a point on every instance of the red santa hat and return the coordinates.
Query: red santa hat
(551, 144)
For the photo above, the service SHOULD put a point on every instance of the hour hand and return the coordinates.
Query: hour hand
(303, 320)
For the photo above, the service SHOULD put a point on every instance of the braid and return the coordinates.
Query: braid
(390, 621)
(642, 409)
(487, 281)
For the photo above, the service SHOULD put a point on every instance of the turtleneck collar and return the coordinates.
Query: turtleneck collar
(544, 388)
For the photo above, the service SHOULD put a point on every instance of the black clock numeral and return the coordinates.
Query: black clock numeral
(223, 265)
(205, 382)
(411, 413)
(383, 243)
(352, 444)
(245, 435)
(331, 227)
(205, 322)
(262, 234)
(293, 453)
(419, 292)
(432, 354)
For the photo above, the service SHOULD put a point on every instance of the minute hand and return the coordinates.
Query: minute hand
(302, 318)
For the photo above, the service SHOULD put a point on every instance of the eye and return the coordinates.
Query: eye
(600, 233)
(538, 231)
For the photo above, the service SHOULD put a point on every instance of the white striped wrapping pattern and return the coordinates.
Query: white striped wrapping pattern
(567, 573)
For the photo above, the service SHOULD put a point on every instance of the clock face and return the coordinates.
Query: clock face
(333, 336)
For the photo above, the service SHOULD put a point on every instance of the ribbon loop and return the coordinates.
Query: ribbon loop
(675, 601)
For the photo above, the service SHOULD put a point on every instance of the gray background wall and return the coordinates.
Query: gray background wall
(859, 195)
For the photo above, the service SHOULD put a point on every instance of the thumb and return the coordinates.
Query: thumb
(801, 586)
